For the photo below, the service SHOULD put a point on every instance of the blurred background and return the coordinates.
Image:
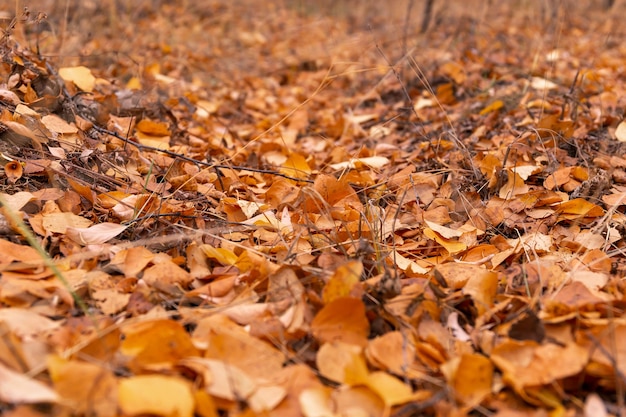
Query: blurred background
(212, 38)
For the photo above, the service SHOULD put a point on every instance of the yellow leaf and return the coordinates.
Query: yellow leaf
(296, 166)
(81, 76)
(451, 246)
(158, 395)
(496, 105)
(221, 255)
(390, 389)
(578, 208)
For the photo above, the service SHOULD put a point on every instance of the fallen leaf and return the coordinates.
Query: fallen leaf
(158, 395)
(344, 282)
(85, 387)
(156, 344)
(342, 362)
(96, 234)
(81, 76)
(342, 320)
(16, 388)
(471, 377)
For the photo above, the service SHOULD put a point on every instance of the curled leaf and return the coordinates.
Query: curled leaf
(13, 171)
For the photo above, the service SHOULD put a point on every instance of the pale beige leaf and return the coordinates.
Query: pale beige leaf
(96, 234)
(446, 232)
(59, 222)
(26, 323)
(18, 200)
(370, 161)
(55, 124)
(620, 132)
(16, 388)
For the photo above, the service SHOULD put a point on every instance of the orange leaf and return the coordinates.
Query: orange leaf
(471, 376)
(253, 356)
(153, 128)
(394, 352)
(342, 362)
(344, 282)
(343, 319)
(156, 343)
(526, 363)
(59, 222)
(166, 275)
(13, 171)
(78, 383)
(337, 193)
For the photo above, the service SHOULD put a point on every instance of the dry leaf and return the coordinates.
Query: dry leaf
(16, 388)
(342, 320)
(345, 282)
(156, 343)
(85, 387)
(158, 395)
(342, 362)
(96, 234)
(81, 76)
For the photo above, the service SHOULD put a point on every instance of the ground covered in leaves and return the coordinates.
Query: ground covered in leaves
(228, 209)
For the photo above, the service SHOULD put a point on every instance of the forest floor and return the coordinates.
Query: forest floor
(221, 208)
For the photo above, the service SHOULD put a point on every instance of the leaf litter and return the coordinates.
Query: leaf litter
(307, 211)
